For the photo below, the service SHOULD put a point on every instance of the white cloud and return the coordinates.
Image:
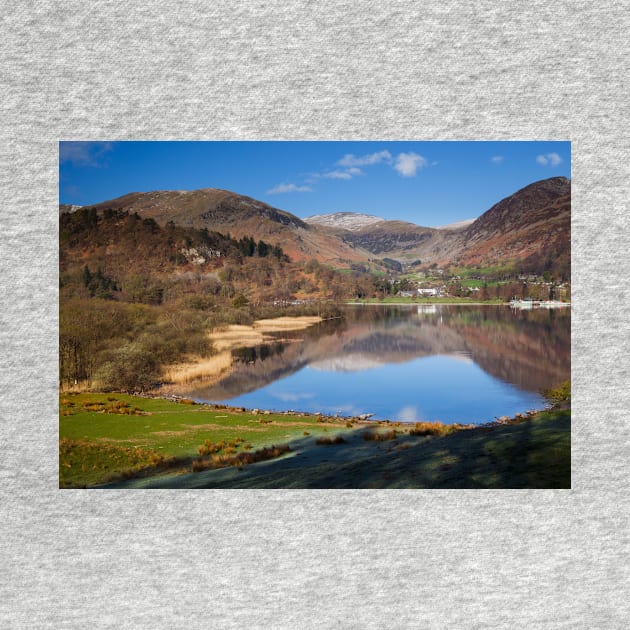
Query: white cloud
(350, 164)
(497, 159)
(365, 160)
(407, 164)
(550, 159)
(84, 153)
(337, 175)
(346, 173)
(288, 188)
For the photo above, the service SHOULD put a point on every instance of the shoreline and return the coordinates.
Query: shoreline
(363, 419)
(295, 447)
(432, 302)
(242, 336)
(187, 375)
(427, 302)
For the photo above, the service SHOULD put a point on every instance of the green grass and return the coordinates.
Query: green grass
(497, 270)
(161, 446)
(532, 453)
(472, 283)
(100, 443)
(83, 463)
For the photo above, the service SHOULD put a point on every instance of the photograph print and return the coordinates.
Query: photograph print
(315, 314)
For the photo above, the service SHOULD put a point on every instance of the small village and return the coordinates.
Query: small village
(527, 291)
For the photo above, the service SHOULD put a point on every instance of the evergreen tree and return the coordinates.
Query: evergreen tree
(86, 276)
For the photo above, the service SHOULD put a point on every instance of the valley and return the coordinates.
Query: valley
(214, 295)
(532, 223)
(166, 268)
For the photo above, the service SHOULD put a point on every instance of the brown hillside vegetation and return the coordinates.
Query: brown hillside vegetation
(229, 213)
(144, 278)
(533, 226)
(136, 297)
(529, 229)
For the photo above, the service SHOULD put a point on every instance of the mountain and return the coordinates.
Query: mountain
(375, 235)
(392, 239)
(532, 228)
(345, 220)
(529, 230)
(227, 212)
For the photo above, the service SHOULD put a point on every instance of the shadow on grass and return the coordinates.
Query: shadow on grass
(535, 453)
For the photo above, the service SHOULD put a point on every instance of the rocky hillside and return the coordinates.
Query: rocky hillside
(530, 230)
(393, 239)
(533, 226)
(227, 212)
(344, 220)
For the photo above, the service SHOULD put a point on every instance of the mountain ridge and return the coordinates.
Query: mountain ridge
(532, 225)
(344, 220)
(240, 216)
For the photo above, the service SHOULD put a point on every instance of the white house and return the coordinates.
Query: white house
(434, 291)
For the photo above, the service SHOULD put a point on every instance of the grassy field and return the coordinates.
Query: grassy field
(498, 270)
(534, 453)
(107, 435)
(139, 442)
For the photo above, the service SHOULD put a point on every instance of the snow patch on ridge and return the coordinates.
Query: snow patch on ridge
(346, 220)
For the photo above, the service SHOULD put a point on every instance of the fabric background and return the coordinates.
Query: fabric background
(329, 70)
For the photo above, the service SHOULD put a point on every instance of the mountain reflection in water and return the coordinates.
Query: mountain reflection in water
(407, 363)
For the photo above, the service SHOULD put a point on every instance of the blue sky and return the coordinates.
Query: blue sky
(427, 183)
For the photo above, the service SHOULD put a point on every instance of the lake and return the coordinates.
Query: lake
(408, 363)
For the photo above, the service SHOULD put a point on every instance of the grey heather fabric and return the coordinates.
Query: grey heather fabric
(300, 70)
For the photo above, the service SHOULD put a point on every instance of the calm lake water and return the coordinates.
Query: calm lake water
(407, 363)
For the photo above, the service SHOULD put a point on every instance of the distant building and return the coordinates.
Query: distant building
(430, 292)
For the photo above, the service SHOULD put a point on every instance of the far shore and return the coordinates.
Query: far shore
(421, 302)
(440, 301)
(188, 374)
